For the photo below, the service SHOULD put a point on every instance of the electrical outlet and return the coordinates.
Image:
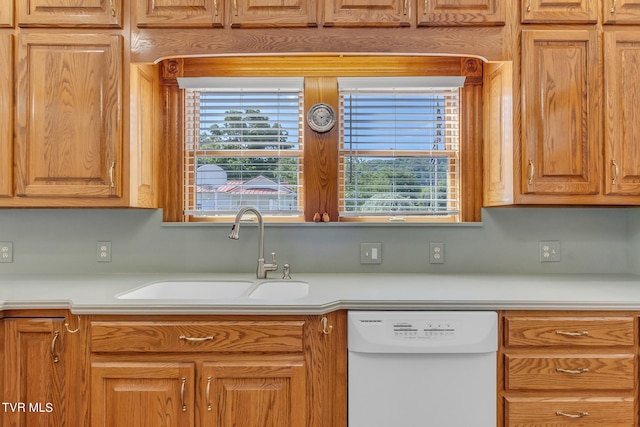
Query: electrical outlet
(103, 251)
(370, 253)
(549, 250)
(436, 253)
(6, 251)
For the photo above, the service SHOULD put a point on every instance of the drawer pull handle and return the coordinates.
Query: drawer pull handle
(578, 415)
(196, 339)
(573, 334)
(184, 382)
(208, 393)
(573, 371)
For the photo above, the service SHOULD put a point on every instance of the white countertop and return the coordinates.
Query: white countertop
(97, 294)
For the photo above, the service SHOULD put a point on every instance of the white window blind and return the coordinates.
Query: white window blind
(399, 148)
(243, 146)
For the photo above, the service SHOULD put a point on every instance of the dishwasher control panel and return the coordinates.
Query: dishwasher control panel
(423, 329)
(422, 332)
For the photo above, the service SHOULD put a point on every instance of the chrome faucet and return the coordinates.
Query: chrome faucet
(261, 272)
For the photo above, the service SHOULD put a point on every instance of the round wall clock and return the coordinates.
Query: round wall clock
(321, 117)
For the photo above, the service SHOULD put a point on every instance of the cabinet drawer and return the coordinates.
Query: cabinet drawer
(583, 412)
(595, 372)
(569, 331)
(211, 336)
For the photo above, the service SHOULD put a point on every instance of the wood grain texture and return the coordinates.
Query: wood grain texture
(142, 393)
(552, 11)
(320, 164)
(6, 13)
(542, 411)
(69, 13)
(149, 45)
(621, 12)
(6, 115)
(179, 13)
(260, 391)
(69, 116)
(560, 136)
(36, 377)
(498, 134)
(543, 331)
(571, 372)
(622, 108)
(226, 336)
(145, 135)
(461, 12)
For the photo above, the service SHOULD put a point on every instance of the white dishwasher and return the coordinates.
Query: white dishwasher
(422, 369)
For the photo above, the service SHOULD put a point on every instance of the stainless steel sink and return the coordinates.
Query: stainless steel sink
(190, 290)
(280, 290)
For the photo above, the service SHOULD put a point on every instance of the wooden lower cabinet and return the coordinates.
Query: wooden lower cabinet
(254, 392)
(231, 371)
(583, 412)
(569, 369)
(142, 394)
(44, 365)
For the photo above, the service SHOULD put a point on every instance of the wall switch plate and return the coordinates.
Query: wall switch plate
(436, 253)
(6, 251)
(103, 251)
(549, 250)
(370, 253)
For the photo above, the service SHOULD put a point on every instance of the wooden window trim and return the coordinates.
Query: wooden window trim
(321, 150)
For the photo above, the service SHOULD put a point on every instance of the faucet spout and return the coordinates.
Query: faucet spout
(263, 268)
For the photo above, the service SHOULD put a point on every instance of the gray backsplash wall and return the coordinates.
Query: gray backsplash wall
(64, 241)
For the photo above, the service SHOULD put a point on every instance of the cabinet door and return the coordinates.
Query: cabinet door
(142, 394)
(6, 13)
(35, 365)
(248, 392)
(179, 13)
(6, 115)
(621, 11)
(69, 116)
(360, 13)
(273, 13)
(69, 13)
(461, 12)
(622, 109)
(560, 112)
(557, 11)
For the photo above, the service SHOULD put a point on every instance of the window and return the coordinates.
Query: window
(407, 146)
(243, 146)
(399, 145)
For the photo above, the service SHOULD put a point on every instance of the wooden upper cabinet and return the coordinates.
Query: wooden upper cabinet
(621, 11)
(179, 13)
(69, 116)
(561, 119)
(360, 13)
(273, 13)
(69, 13)
(559, 11)
(6, 115)
(6, 13)
(461, 12)
(622, 109)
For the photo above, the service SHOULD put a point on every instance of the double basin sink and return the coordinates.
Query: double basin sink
(219, 289)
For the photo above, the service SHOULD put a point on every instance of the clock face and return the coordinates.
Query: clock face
(321, 118)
